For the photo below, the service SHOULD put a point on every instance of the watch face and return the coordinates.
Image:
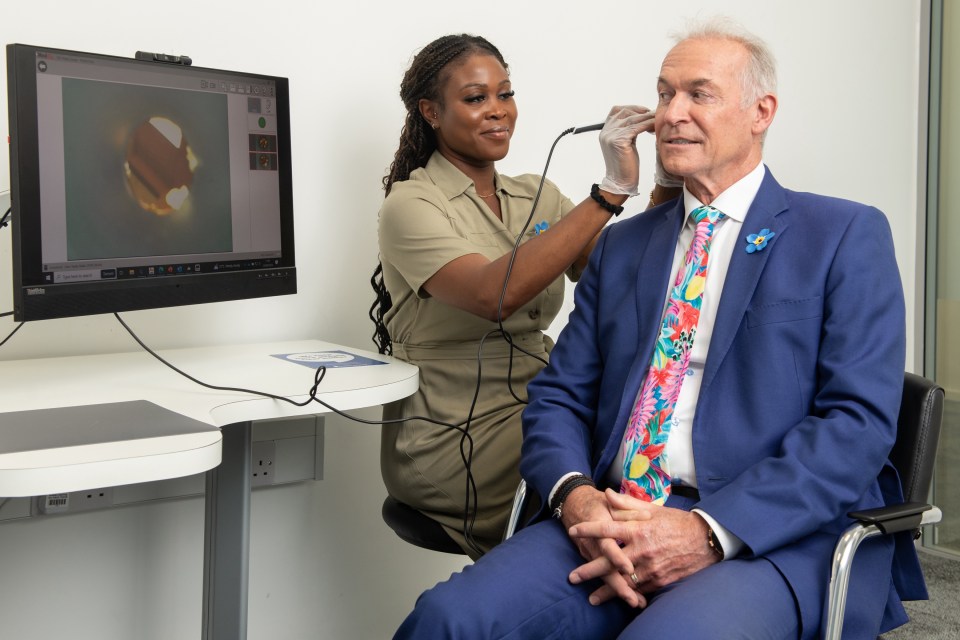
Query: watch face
(714, 542)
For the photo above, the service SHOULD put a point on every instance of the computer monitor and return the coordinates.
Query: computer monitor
(145, 183)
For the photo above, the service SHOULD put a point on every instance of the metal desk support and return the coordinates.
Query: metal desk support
(226, 568)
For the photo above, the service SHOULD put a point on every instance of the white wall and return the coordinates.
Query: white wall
(323, 565)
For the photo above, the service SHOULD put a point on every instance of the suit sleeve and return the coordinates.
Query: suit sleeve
(558, 421)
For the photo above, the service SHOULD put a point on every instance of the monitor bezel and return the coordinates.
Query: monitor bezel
(36, 300)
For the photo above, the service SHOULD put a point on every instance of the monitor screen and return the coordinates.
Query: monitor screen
(138, 184)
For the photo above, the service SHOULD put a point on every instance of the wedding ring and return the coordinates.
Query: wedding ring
(636, 580)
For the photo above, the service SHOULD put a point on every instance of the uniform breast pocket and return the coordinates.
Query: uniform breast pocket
(785, 311)
(482, 239)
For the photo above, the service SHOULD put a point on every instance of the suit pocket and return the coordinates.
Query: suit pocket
(785, 311)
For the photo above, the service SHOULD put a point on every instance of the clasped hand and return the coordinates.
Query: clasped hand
(634, 546)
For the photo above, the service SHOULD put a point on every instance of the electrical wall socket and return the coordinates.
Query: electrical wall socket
(263, 462)
(75, 501)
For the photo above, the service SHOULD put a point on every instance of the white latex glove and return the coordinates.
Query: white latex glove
(663, 177)
(618, 141)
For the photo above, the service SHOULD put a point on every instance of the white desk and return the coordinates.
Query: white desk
(158, 451)
(44, 451)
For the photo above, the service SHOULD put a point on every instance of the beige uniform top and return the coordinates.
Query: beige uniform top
(427, 221)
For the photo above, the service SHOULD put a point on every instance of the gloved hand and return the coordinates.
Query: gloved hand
(618, 142)
(663, 177)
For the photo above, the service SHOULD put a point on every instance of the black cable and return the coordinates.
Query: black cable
(10, 335)
(470, 516)
(318, 378)
(467, 456)
(526, 225)
(506, 279)
(4, 221)
(470, 491)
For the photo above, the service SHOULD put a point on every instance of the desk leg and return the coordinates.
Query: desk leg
(227, 539)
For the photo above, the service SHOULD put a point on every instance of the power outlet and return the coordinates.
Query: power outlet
(75, 501)
(92, 499)
(263, 462)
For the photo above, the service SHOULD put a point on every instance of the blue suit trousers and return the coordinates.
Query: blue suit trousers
(520, 591)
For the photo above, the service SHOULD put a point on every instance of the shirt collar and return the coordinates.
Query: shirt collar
(735, 201)
(452, 182)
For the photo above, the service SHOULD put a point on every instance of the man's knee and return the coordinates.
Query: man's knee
(733, 599)
(436, 615)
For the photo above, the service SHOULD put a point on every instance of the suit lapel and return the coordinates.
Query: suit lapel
(744, 272)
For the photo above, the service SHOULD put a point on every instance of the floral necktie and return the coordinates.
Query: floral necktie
(645, 471)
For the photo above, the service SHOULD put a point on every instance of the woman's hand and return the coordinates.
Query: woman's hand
(663, 177)
(618, 142)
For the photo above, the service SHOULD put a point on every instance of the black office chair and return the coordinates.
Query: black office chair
(417, 529)
(913, 455)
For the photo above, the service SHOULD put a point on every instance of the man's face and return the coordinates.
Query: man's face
(704, 135)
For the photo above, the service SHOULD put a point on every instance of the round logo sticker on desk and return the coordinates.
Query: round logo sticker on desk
(321, 357)
(328, 359)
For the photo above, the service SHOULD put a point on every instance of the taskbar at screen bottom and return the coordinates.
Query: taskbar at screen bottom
(68, 276)
(130, 294)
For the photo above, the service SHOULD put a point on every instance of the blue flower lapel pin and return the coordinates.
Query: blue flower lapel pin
(757, 241)
(540, 227)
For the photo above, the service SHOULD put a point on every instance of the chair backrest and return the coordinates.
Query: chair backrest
(918, 434)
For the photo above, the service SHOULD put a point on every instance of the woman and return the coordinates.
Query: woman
(447, 230)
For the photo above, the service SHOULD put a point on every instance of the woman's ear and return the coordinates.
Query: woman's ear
(430, 111)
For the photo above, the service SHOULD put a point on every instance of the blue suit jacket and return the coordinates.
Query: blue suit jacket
(800, 393)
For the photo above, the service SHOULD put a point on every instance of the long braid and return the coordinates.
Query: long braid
(418, 141)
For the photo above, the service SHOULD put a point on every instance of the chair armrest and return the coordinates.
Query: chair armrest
(870, 523)
(895, 518)
(520, 501)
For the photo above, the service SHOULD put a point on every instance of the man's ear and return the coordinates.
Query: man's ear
(766, 109)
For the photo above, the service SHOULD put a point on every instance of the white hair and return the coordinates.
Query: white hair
(760, 74)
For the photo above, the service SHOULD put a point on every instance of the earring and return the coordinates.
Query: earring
(435, 125)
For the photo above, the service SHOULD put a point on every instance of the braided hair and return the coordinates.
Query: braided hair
(424, 79)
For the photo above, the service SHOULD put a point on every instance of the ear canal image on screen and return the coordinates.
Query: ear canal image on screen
(159, 166)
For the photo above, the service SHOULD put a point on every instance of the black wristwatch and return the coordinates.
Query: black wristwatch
(714, 542)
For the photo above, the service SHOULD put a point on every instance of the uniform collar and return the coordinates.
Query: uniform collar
(452, 182)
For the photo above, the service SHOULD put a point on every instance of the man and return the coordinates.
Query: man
(789, 369)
